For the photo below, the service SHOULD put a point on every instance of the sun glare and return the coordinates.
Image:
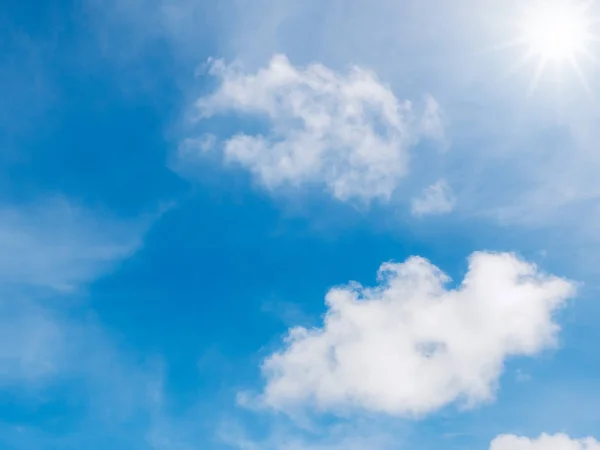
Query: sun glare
(557, 34)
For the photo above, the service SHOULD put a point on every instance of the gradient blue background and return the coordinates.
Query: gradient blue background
(92, 99)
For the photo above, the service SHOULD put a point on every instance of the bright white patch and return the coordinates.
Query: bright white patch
(410, 346)
(348, 132)
(544, 442)
(557, 31)
(436, 199)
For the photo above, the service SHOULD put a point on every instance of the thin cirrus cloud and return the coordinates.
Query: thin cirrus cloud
(410, 345)
(52, 348)
(56, 244)
(339, 436)
(33, 342)
(544, 442)
(436, 199)
(360, 437)
(345, 131)
(49, 249)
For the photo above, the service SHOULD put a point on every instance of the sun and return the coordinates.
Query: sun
(557, 34)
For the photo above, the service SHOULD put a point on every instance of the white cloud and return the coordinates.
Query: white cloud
(52, 349)
(348, 132)
(435, 199)
(189, 148)
(432, 121)
(410, 345)
(32, 342)
(56, 244)
(544, 442)
(346, 435)
(48, 249)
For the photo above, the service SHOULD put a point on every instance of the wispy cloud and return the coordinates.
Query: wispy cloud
(56, 244)
(434, 200)
(49, 249)
(350, 434)
(544, 442)
(33, 342)
(51, 343)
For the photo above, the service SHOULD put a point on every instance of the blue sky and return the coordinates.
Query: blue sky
(283, 225)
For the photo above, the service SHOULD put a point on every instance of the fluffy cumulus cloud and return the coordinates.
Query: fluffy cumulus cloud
(544, 442)
(435, 199)
(346, 131)
(410, 345)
